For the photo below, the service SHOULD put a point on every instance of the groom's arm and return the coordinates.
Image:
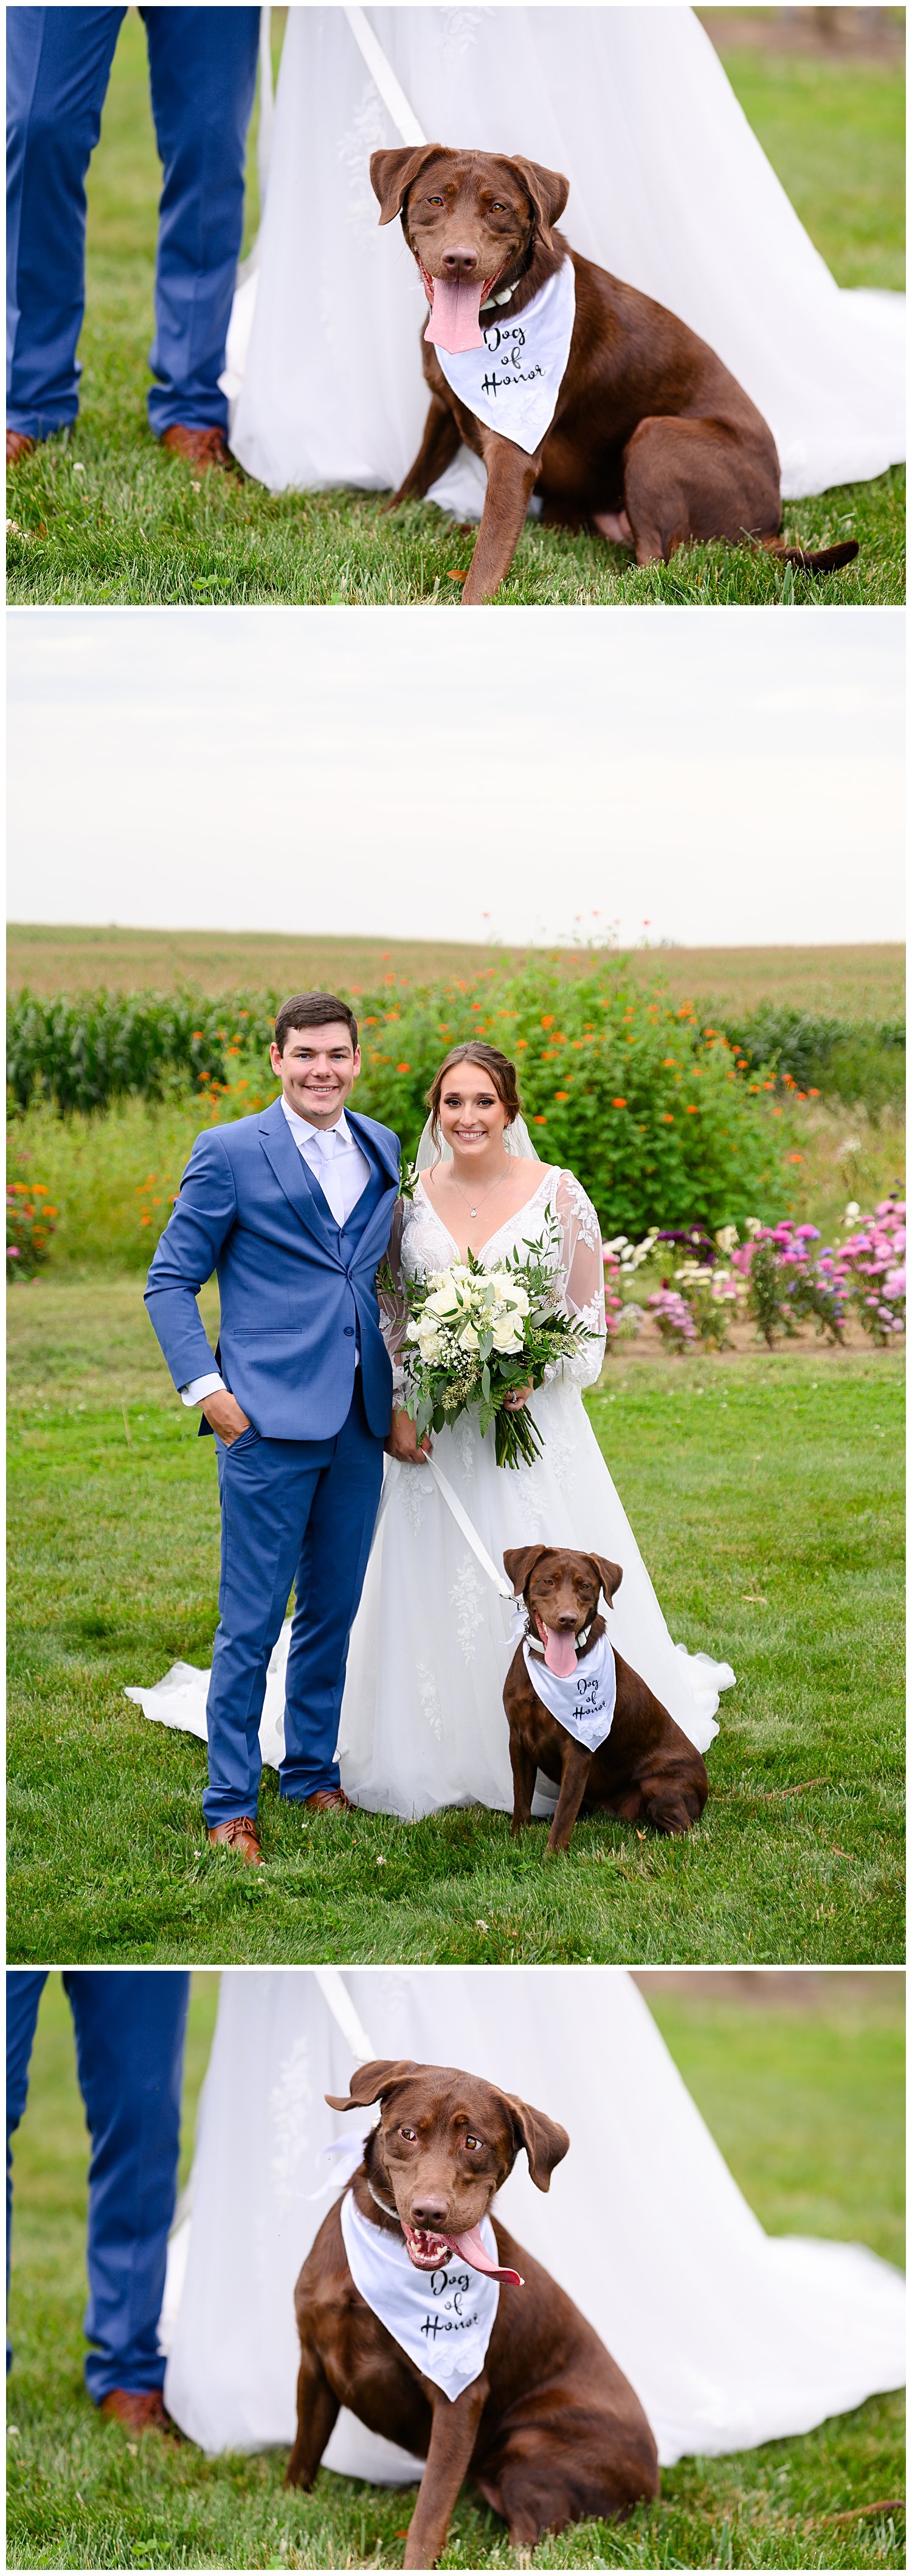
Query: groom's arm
(186, 1257)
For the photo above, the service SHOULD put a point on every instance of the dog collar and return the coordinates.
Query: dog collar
(442, 2319)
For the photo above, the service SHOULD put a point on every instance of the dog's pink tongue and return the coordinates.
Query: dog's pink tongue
(453, 320)
(470, 2249)
(560, 1652)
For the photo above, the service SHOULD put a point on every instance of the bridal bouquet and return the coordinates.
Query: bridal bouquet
(474, 1336)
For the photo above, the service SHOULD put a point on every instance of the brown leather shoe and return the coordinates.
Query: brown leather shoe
(199, 447)
(17, 446)
(329, 1802)
(241, 1835)
(140, 2410)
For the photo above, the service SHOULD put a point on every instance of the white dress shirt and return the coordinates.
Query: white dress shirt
(337, 1161)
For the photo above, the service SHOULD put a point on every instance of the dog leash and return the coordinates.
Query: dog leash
(462, 1520)
(384, 78)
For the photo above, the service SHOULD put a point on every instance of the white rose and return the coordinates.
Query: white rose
(468, 1338)
(443, 1301)
(500, 1285)
(504, 1334)
(431, 1344)
(518, 1297)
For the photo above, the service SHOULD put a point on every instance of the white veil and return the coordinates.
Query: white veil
(517, 1140)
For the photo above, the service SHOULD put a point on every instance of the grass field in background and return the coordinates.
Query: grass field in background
(865, 981)
(130, 527)
(765, 1492)
(807, 2106)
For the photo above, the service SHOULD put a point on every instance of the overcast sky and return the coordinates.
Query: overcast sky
(726, 776)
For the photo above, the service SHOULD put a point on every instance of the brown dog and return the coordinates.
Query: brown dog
(551, 2430)
(652, 442)
(646, 1766)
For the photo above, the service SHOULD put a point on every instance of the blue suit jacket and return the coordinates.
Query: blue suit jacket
(298, 1294)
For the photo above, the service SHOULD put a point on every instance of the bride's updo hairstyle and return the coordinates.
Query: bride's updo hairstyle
(490, 1061)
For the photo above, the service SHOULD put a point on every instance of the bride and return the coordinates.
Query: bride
(669, 189)
(422, 1723)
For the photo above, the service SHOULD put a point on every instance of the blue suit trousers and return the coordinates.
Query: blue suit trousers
(298, 1512)
(129, 2026)
(202, 68)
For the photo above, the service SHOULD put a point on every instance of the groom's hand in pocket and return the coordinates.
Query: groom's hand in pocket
(225, 1415)
(403, 1442)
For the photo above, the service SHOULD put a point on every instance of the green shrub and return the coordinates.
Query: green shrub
(847, 1060)
(640, 1098)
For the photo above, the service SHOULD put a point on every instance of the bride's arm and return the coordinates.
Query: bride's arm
(581, 1237)
(402, 1442)
(391, 1301)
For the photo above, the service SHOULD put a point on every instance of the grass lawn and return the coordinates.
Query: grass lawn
(765, 1491)
(806, 2104)
(129, 527)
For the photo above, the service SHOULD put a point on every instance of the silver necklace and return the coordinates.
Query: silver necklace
(486, 1194)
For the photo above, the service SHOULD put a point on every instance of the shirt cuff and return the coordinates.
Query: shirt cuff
(200, 1386)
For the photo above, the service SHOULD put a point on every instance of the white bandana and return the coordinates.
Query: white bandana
(443, 2319)
(584, 1701)
(513, 382)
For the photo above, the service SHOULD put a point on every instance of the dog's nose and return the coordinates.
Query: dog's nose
(428, 2212)
(460, 263)
(568, 1620)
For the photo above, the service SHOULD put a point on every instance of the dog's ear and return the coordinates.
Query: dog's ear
(372, 2083)
(548, 190)
(544, 2140)
(519, 1563)
(392, 173)
(610, 1576)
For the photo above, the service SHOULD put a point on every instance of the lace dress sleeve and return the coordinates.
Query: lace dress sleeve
(584, 1293)
(393, 1308)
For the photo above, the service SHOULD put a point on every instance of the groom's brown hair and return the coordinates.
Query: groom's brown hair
(313, 1011)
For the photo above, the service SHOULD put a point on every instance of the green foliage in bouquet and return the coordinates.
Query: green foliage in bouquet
(475, 1336)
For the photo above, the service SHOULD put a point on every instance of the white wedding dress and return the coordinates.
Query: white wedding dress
(423, 1723)
(669, 189)
(729, 2336)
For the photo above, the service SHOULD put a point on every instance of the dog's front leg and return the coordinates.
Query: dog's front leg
(451, 2446)
(574, 1776)
(437, 450)
(524, 1768)
(512, 477)
(317, 2412)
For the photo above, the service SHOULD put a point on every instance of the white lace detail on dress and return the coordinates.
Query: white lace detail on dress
(414, 1484)
(460, 30)
(465, 1435)
(367, 133)
(290, 2101)
(429, 1696)
(466, 1596)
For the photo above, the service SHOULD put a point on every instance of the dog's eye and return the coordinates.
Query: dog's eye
(473, 2142)
(411, 2134)
(499, 208)
(435, 201)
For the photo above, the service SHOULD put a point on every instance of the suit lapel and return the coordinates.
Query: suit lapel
(296, 1180)
(384, 1175)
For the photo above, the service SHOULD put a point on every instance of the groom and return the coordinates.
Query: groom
(293, 1210)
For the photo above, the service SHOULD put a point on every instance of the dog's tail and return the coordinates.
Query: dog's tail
(825, 559)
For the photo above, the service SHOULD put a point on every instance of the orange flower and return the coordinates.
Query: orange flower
(692, 1109)
(666, 1118)
(539, 1121)
(403, 1068)
(619, 1104)
(548, 1021)
(796, 1158)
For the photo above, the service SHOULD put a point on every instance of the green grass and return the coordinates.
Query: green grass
(806, 2104)
(862, 982)
(129, 527)
(765, 1492)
